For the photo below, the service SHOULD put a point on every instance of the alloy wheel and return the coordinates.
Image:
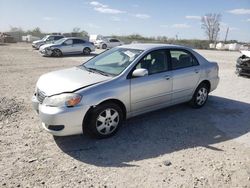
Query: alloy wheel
(57, 53)
(201, 96)
(107, 121)
(86, 51)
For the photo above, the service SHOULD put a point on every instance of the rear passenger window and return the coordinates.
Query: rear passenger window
(113, 40)
(78, 41)
(58, 37)
(182, 59)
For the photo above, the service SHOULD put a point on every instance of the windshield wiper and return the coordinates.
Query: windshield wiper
(97, 71)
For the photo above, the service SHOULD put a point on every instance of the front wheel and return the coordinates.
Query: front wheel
(104, 46)
(105, 120)
(200, 96)
(56, 53)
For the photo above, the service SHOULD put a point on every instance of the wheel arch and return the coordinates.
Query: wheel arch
(207, 82)
(116, 101)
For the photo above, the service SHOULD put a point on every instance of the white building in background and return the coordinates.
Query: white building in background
(212, 45)
(29, 38)
(219, 46)
(230, 47)
(234, 47)
(93, 38)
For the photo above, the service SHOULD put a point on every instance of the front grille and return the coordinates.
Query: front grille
(40, 95)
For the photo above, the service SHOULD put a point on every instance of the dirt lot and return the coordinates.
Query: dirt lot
(174, 147)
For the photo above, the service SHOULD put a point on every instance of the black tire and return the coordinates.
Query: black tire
(200, 96)
(57, 53)
(104, 46)
(238, 71)
(100, 124)
(86, 51)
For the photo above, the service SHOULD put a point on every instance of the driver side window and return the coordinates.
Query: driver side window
(68, 42)
(154, 62)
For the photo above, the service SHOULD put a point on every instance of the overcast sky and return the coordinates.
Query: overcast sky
(123, 17)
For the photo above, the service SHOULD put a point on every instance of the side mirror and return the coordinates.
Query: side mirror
(140, 73)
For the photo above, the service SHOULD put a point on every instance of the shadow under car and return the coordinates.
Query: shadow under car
(161, 132)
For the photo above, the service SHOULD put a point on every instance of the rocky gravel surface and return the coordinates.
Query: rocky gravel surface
(174, 147)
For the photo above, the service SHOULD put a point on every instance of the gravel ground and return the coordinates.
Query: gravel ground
(174, 147)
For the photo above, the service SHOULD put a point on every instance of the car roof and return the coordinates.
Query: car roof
(74, 38)
(56, 35)
(148, 46)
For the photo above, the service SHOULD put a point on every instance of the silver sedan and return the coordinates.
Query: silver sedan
(66, 46)
(122, 83)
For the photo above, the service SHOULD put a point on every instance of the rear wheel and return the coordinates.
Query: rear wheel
(200, 96)
(86, 51)
(104, 46)
(105, 120)
(57, 53)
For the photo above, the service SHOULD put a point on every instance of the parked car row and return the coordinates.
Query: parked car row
(58, 45)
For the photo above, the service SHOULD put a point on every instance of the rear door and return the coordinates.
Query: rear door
(185, 72)
(78, 46)
(154, 90)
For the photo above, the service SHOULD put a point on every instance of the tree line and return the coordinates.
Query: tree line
(210, 23)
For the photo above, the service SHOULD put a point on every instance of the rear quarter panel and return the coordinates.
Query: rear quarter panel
(209, 71)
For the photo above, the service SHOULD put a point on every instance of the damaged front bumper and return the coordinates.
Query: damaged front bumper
(243, 66)
(46, 52)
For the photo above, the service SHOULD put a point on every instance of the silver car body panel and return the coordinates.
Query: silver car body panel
(56, 82)
(139, 95)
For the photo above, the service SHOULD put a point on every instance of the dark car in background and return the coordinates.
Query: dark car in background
(243, 64)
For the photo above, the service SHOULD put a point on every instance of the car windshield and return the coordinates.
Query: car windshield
(44, 38)
(112, 62)
(60, 41)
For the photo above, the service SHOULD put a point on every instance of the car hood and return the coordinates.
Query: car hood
(46, 46)
(246, 53)
(37, 41)
(68, 80)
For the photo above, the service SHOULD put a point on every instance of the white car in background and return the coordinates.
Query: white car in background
(108, 43)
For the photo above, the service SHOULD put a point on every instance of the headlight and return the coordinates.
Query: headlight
(48, 48)
(66, 99)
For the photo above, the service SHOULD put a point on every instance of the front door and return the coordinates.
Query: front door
(78, 46)
(153, 90)
(67, 46)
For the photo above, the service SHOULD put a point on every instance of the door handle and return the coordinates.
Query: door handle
(196, 71)
(167, 77)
